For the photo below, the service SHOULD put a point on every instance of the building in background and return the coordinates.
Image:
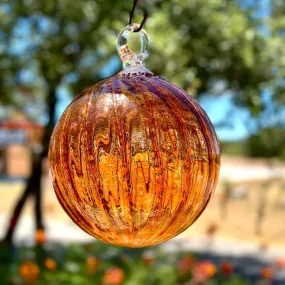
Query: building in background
(17, 136)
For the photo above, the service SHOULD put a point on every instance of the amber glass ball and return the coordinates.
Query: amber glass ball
(134, 160)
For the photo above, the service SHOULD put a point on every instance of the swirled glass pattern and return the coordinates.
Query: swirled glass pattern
(134, 160)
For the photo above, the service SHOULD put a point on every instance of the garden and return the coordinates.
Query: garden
(99, 263)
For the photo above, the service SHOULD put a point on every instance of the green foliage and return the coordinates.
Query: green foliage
(277, 25)
(72, 269)
(233, 148)
(268, 142)
(53, 44)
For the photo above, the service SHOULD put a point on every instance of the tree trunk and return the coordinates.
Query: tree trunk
(33, 185)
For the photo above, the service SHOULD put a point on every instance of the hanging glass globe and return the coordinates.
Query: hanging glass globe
(134, 159)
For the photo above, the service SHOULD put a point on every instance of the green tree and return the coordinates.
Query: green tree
(49, 45)
(277, 24)
(269, 142)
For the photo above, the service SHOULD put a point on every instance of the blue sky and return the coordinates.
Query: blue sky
(221, 109)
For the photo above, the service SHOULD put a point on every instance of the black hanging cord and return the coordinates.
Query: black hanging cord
(132, 16)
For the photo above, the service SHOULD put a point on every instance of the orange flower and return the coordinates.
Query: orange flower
(40, 237)
(29, 271)
(227, 268)
(185, 264)
(266, 273)
(92, 264)
(204, 271)
(113, 276)
(148, 258)
(50, 264)
(280, 263)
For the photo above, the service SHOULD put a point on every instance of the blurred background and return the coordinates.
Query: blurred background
(229, 54)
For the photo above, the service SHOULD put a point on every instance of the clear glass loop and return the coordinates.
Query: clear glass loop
(128, 57)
